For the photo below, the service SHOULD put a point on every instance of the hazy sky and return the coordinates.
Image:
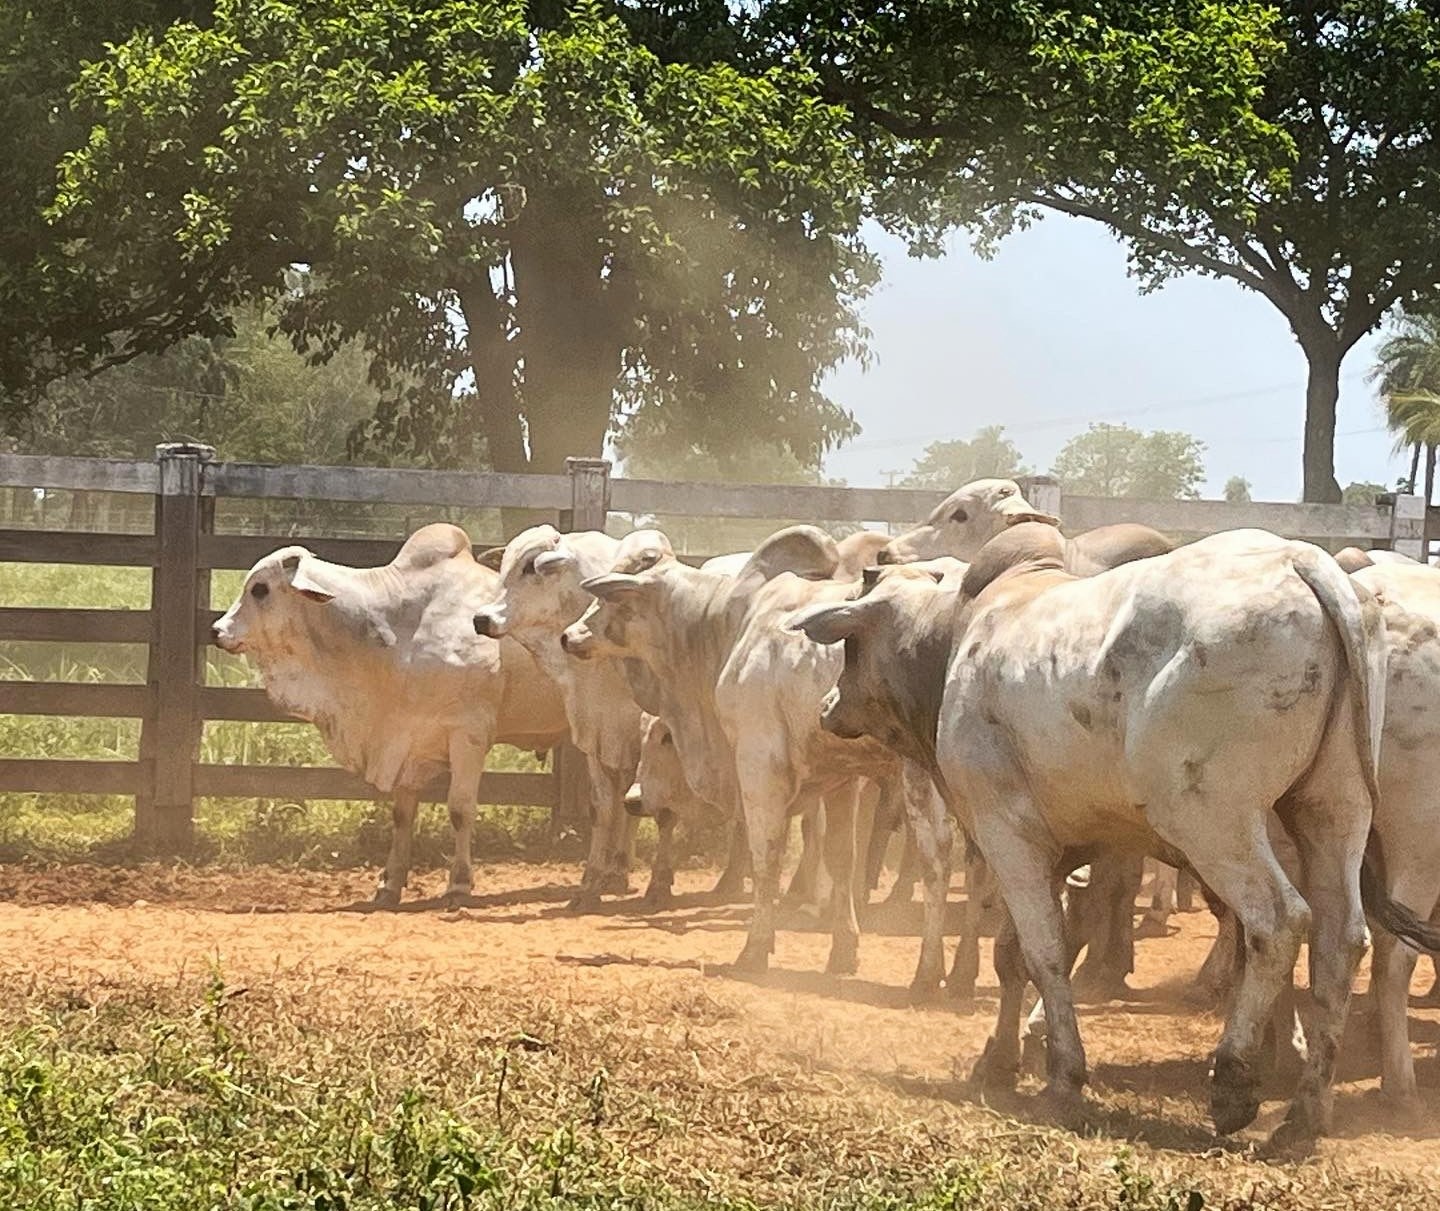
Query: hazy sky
(1052, 334)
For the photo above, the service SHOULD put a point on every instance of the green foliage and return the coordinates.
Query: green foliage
(1116, 460)
(288, 1097)
(946, 465)
(1237, 489)
(533, 226)
(1362, 493)
(1290, 148)
(251, 396)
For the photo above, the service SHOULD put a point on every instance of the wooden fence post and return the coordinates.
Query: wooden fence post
(1407, 525)
(589, 510)
(1042, 491)
(169, 739)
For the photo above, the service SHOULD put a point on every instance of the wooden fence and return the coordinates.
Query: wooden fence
(184, 482)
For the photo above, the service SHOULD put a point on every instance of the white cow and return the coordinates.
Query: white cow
(741, 696)
(1167, 706)
(541, 571)
(385, 663)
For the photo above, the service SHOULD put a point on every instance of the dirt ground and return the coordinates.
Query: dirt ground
(76, 925)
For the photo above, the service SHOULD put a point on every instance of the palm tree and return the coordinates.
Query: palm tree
(1407, 372)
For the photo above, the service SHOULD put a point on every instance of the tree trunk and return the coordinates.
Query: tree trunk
(1322, 392)
(492, 358)
(1414, 470)
(1429, 498)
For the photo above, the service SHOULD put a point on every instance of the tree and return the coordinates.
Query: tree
(1288, 149)
(1407, 363)
(51, 318)
(946, 465)
(251, 396)
(1237, 489)
(535, 225)
(1116, 460)
(1362, 493)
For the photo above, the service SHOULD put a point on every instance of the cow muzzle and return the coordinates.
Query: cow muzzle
(833, 718)
(488, 625)
(577, 641)
(223, 640)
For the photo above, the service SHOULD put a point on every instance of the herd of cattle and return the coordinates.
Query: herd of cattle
(1246, 709)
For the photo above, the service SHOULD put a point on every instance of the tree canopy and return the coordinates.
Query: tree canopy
(1116, 460)
(945, 465)
(1237, 489)
(534, 224)
(1290, 148)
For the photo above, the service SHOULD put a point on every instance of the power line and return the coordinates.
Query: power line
(1092, 417)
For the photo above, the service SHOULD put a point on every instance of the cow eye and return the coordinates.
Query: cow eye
(260, 591)
(960, 515)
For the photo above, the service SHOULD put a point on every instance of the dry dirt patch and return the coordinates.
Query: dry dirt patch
(772, 1082)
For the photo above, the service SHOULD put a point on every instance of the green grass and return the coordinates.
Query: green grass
(161, 1098)
(319, 833)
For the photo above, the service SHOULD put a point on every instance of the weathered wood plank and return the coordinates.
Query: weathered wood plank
(37, 625)
(95, 550)
(85, 474)
(239, 703)
(67, 698)
(1210, 516)
(244, 551)
(314, 782)
(805, 502)
(389, 485)
(50, 777)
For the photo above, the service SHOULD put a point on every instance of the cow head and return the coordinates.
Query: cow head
(615, 623)
(964, 522)
(539, 587)
(660, 784)
(896, 633)
(266, 615)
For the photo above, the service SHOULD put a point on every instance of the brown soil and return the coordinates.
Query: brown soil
(858, 1037)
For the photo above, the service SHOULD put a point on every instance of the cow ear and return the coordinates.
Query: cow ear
(804, 550)
(303, 581)
(491, 559)
(829, 623)
(613, 586)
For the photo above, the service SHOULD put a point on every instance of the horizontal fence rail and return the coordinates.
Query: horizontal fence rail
(182, 550)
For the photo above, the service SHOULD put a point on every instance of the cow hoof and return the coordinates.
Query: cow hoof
(1294, 1138)
(992, 1072)
(1094, 987)
(586, 900)
(924, 989)
(1234, 1100)
(1152, 927)
(386, 897)
(1405, 1109)
(900, 895)
(728, 889)
(615, 885)
(1063, 1103)
(844, 957)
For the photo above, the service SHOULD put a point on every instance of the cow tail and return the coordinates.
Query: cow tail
(1357, 618)
(1390, 915)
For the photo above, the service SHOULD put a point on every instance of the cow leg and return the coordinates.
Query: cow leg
(1163, 899)
(998, 1067)
(841, 809)
(928, 821)
(731, 883)
(889, 815)
(467, 764)
(1238, 863)
(1219, 973)
(660, 892)
(765, 793)
(1331, 841)
(910, 871)
(1110, 943)
(611, 827)
(1023, 869)
(403, 809)
(803, 887)
(1414, 881)
(1185, 890)
(979, 889)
